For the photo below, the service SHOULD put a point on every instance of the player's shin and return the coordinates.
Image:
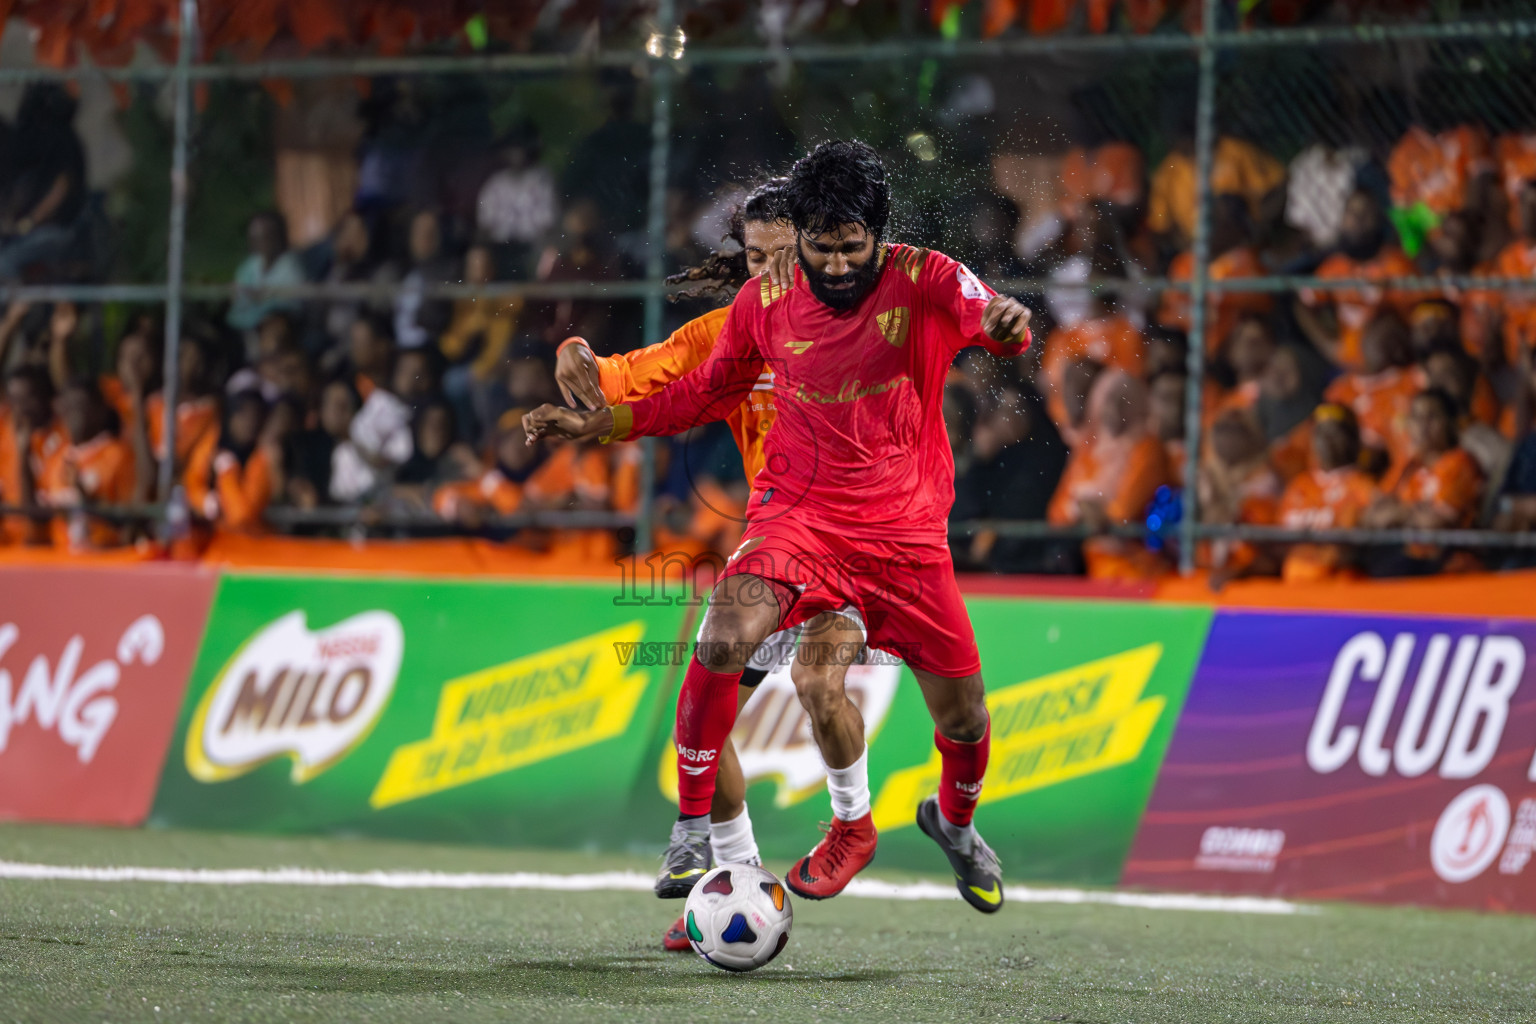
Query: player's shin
(706, 710)
(962, 766)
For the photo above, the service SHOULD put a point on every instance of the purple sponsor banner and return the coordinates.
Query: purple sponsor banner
(1352, 757)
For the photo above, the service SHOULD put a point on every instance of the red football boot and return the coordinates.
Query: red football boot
(676, 939)
(843, 852)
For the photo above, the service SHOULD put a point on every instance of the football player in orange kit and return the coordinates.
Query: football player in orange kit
(760, 228)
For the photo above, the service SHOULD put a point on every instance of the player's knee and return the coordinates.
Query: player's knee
(964, 721)
(819, 687)
(726, 641)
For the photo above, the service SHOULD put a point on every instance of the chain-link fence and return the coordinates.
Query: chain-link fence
(1226, 217)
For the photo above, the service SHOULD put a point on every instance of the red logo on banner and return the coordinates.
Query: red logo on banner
(93, 664)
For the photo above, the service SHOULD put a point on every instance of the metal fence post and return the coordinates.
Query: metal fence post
(1205, 144)
(176, 249)
(656, 237)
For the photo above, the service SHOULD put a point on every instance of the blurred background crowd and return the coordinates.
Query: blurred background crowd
(1400, 397)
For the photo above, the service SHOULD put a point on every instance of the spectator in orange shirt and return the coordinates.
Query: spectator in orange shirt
(1450, 369)
(1112, 476)
(233, 474)
(1473, 312)
(1252, 348)
(1288, 393)
(1334, 321)
(1436, 168)
(1439, 488)
(1381, 392)
(1237, 486)
(1236, 167)
(1518, 259)
(1232, 256)
(1109, 338)
(94, 469)
(1332, 495)
(29, 435)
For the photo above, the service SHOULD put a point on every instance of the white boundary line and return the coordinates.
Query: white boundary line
(611, 881)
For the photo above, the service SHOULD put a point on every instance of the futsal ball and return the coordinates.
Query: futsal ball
(738, 917)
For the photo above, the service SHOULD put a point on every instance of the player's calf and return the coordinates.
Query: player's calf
(830, 645)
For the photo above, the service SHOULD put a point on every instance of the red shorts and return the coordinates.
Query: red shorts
(906, 592)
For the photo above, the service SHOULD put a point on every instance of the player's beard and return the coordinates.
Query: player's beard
(841, 299)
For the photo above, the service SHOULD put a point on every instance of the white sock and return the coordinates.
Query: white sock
(733, 841)
(959, 836)
(849, 788)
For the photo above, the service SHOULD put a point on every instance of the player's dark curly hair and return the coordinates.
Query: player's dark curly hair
(723, 273)
(841, 182)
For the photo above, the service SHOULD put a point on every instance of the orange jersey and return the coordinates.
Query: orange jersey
(1236, 166)
(1515, 157)
(1122, 477)
(1250, 501)
(1112, 341)
(572, 472)
(632, 376)
(1222, 309)
(18, 529)
(1380, 402)
(1113, 171)
(1355, 307)
(232, 496)
(1435, 169)
(1452, 483)
(99, 472)
(1517, 259)
(194, 417)
(1292, 454)
(1322, 499)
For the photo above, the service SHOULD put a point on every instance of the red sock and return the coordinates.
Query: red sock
(963, 765)
(706, 710)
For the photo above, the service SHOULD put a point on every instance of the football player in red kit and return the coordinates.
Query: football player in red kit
(851, 505)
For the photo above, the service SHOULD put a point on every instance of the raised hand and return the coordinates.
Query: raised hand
(576, 373)
(1005, 319)
(781, 267)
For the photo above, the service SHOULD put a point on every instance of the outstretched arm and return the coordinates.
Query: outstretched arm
(596, 381)
(711, 392)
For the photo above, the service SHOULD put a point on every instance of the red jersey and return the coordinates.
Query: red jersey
(858, 446)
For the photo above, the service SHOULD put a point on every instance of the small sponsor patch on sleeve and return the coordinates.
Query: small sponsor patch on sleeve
(970, 285)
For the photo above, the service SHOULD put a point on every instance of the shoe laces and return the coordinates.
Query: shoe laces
(685, 846)
(834, 848)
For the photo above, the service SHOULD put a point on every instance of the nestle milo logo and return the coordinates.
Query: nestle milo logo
(310, 695)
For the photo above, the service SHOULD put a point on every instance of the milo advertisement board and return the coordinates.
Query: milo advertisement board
(541, 714)
(486, 712)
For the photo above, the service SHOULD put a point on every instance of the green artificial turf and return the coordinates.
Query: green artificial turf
(85, 951)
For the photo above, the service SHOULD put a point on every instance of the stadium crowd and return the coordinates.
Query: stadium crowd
(1377, 406)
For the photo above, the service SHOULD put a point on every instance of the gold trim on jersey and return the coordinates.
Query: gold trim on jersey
(771, 292)
(910, 261)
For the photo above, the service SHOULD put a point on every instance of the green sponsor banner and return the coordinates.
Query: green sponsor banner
(541, 714)
(1083, 696)
(473, 711)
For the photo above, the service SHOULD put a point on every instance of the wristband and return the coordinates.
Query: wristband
(575, 339)
(623, 423)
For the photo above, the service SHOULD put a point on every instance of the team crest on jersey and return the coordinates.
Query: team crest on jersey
(910, 261)
(894, 324)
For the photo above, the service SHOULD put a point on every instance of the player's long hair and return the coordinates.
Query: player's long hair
(841, 182)
(723, 273)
